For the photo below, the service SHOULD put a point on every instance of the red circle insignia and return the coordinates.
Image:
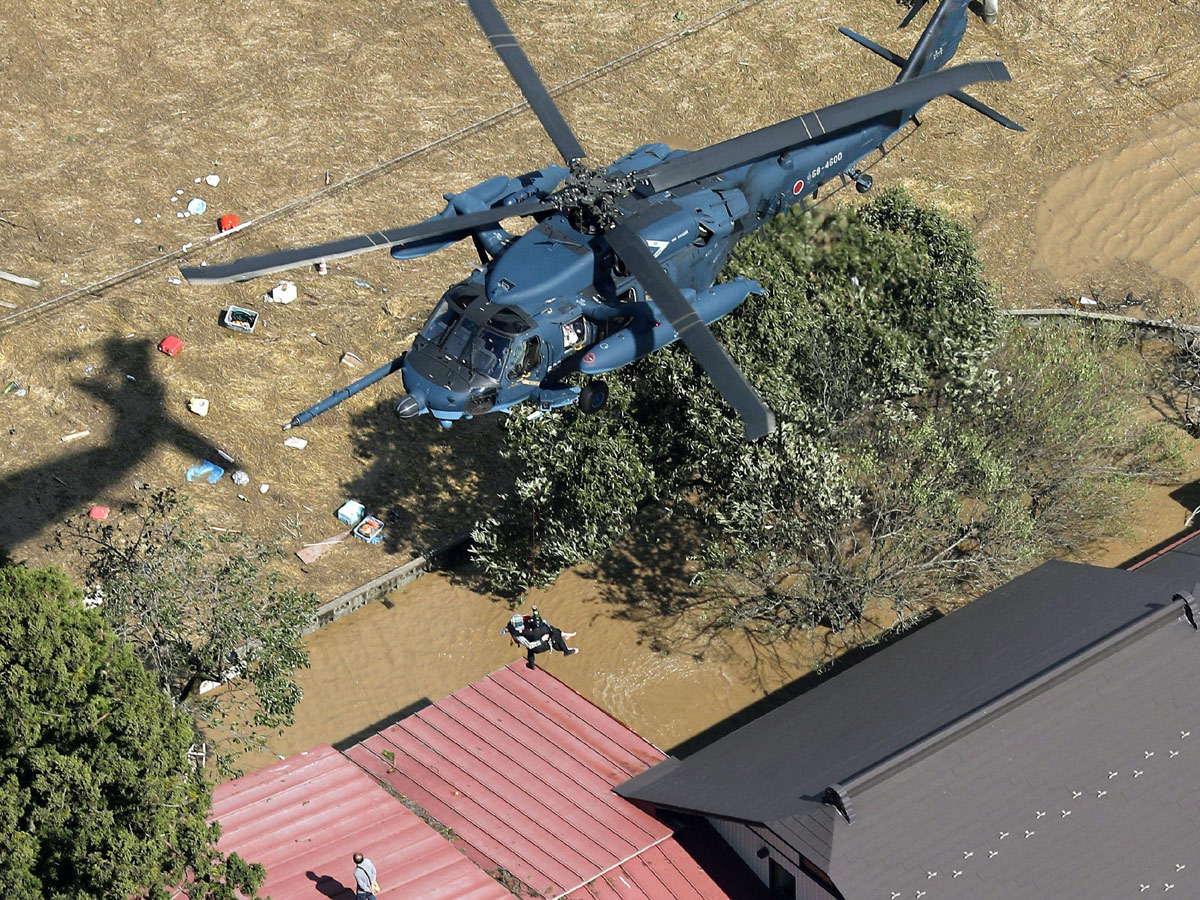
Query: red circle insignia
(798, 186)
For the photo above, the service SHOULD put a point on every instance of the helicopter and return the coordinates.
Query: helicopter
(620, 260)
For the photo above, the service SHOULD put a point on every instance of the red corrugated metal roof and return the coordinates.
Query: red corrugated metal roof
(304, 817)
(664, 870)
(521, 768)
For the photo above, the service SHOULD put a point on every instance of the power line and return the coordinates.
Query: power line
(96, 288)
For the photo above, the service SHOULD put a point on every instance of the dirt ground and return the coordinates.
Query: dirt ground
(325, 119)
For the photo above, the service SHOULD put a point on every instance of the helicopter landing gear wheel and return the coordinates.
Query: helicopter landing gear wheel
(593, 396)
(862, 183)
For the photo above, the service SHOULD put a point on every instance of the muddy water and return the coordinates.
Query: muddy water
(647, 661)
(645, 655)
(1135, 208)
(649, 669)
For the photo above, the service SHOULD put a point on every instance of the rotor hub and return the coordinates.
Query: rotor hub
(591, 198)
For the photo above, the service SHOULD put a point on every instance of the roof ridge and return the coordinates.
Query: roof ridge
(872, 775)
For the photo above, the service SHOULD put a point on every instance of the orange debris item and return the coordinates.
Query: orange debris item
(99, 513)
(228, 222)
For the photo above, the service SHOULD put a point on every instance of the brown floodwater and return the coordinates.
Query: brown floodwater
(1135, 208)
(646, 655)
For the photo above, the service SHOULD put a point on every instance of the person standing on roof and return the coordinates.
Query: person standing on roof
(365, 885)
(537, 635)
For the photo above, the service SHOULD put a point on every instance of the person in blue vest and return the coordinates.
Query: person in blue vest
(365, 884)
(537, 635)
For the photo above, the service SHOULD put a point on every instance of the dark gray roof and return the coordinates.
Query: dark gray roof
(1180, 561)
(1043, 741)
(1089, 788)
(779, 765)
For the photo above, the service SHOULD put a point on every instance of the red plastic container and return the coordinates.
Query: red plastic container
(170, 345)
(228, 222)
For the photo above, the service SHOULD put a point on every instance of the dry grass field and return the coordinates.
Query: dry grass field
(114, 110)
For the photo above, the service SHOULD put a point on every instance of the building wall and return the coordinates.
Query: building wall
(746, 844)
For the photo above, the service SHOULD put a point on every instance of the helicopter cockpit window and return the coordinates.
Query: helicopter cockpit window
(508, 321)
(448, 310)
(526, 358)
(458, 339)
(443, 316)
(489, 352)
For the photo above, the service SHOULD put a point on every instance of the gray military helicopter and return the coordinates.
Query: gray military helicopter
(621, 259)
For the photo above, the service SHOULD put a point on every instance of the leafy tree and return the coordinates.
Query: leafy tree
(908, 460)
(200, 606)
(97, 796)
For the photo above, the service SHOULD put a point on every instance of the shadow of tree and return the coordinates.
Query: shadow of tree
(428, 484)
(38, 496)
(801, 685)
(651, 580)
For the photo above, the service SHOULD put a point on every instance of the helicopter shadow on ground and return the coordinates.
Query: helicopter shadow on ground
(37, 497)
(428, 485)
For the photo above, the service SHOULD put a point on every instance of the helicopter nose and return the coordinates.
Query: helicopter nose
(408, 407)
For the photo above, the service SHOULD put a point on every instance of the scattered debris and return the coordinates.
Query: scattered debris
(99, 513)
(8, 305)
(361, 284)
(212, 180)
(310, 552)
(137, 220)
(370, 530)
(10, 387)
(173, 280)
(196, 206)
(206, 469)
(351, 359)
(284, 292)
(169, 345)
(243, 497)
(263, 488)
(296, 443)
(322, 268)
(225, 456)
(74, 436)
(351, 512)
(240, 478)
(238, 319)
(27, 282)
(1086, 301)
(198, 405)
(228, 222)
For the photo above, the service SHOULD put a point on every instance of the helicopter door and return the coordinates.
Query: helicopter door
(526, 361)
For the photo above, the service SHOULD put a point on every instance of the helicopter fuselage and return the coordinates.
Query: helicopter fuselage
(555, 300)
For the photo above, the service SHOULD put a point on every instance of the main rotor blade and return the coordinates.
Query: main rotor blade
(807, 128)
(539, 99)
(757, 419)
(462, 225)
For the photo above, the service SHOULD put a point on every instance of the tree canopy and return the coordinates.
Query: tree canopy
(923, 445)
(97, 795)
(200, 606)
